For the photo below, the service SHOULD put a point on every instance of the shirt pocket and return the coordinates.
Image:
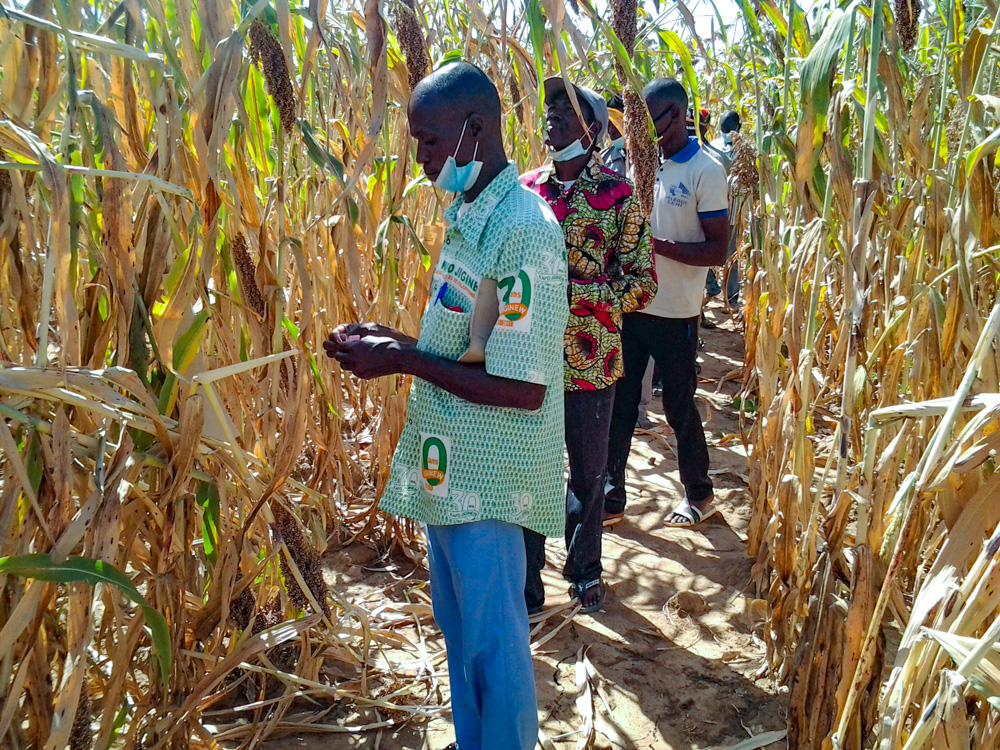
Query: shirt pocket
(444, 332)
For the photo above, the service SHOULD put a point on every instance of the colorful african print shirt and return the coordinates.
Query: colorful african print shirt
(459, 462)
(611, 267)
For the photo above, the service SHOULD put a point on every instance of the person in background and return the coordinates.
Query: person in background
(481, 454)
(690, 230)
(611, 272)
(704, 126)
(728, 125)
(712, 287)
(614, 156)
(616, 159)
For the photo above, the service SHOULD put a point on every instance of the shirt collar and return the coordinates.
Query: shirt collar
(474, 220)
(688, 152)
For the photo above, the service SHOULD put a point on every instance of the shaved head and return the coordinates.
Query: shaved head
(455, 111)
(463, 90)
(667, 103)
(662, 91)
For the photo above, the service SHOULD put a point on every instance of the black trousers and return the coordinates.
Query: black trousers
(673, 345)
(588, 420)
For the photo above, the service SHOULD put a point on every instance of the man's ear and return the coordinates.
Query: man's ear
(475, 125)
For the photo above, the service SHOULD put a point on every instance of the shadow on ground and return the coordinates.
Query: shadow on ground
(677, 664)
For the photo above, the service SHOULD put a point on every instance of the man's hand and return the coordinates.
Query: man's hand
(361, 350)
(346, 331)
(370, 356)
(711, 252)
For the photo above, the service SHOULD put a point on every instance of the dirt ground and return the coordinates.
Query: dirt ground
(675, 660)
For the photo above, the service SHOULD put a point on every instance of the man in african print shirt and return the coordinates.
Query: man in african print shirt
(611, 272)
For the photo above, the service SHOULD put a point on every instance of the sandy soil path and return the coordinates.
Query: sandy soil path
(674, 659)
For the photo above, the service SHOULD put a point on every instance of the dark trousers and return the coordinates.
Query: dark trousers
(673, 345)
(588, 419)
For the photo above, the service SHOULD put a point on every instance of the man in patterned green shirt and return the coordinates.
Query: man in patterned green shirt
(481, 456)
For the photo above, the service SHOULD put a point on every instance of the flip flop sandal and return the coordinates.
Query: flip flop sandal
(610, 519)
(577, 590)
(691, 514)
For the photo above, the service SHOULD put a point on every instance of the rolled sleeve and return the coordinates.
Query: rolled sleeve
(712, 192)
(527, 342)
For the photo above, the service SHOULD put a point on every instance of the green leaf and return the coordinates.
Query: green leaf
(189, 341)
(33, 463)
(208, 499)
(680, 48)
(988, 146)
(318, 154)
(88, 570)
(536, 32)
(453, 55)
(425, 256)
(293, 330)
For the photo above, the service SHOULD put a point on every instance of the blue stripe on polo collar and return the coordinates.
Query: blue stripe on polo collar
(688, 152)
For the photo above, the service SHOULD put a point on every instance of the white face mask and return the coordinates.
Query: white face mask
(458, 179)
(572, 151)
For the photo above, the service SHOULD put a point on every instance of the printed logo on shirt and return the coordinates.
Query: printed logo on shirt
(459, 277)
(679, 189)
(515, 300)
(434, 457)
(678, 195)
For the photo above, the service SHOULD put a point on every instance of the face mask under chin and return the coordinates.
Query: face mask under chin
(570, 152)
(458, 179)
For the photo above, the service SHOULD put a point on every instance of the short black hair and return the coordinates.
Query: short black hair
(616, 102)
(730, 122)
(666, 90)
(585, 109)
(464, 88)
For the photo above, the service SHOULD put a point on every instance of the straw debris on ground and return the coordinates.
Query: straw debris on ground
(193, 194)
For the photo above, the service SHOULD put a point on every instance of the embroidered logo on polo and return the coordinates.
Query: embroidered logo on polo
(515, 300)
(434, 459)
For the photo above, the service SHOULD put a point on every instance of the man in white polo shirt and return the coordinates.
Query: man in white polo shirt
(690, 229)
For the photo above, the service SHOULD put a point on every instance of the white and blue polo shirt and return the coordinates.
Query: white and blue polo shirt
(690, 186)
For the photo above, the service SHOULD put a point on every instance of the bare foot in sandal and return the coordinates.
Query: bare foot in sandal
(590, 594)
(691, 514)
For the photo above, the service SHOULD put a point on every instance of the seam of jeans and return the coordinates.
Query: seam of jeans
(509, 649)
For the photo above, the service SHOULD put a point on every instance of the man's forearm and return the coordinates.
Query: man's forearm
(704, 254)
(471, 382)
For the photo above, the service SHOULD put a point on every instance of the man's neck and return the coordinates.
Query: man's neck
(568, 171)
(493, 164)
(673, 145)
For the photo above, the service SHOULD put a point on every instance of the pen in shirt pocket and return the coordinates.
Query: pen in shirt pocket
(440, 298)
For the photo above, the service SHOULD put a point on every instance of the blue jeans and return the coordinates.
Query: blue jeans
(477, 588)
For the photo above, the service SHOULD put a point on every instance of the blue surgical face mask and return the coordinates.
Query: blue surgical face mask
(458, 179)
(619, 143)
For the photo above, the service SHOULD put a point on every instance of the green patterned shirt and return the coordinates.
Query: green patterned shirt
(459, 462)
